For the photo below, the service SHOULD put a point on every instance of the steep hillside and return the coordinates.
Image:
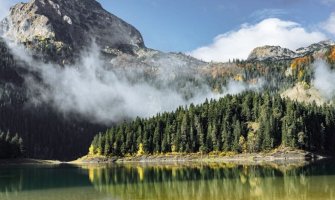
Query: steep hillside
(301, 92)
(60, 29)
(57, 35)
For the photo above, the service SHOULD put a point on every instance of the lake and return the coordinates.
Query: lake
(171, 181)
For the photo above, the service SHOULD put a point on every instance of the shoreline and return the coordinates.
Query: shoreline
(28, 161)
(282, 157)
(278, 157)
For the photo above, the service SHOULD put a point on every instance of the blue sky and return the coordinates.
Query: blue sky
(217, 30)
(183, 25)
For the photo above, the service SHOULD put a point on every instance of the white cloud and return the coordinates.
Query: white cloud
(329, 25)
(324, 79)
(103, 95)
(272, 31)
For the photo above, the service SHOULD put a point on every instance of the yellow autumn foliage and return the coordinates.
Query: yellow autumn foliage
(140, 151)
(332, 54)
(238, 77)
(91, 150)
(298, 62)
(99, 152)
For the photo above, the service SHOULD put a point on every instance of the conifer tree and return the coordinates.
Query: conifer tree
(220, 126)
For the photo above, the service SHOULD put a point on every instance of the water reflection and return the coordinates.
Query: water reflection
(10, 181)
(196, 182)
(215, 182)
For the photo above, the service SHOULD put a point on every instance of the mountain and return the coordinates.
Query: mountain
(271, 53)
(56, 36)
(315, 47)
(61, 29)
(302, 93)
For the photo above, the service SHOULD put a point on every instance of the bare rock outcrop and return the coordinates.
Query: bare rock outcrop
(271, 53)
(60, 29)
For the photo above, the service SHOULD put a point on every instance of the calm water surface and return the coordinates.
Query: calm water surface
(162, 182)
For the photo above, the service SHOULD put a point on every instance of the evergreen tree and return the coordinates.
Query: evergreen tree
(237, 136)
(184, 134)
(10, 146)
(219, 126)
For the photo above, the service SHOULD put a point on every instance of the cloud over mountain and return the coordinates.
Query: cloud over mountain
(272, 31)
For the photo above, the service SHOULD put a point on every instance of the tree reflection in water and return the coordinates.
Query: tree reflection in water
(214, 182)
(162, 182)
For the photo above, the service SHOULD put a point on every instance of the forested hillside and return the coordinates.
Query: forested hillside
(249, 122)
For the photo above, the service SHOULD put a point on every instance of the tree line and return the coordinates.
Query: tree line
(248, 122)
(11, 146)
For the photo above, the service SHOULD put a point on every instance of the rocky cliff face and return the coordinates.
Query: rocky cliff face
(274, 53)
(271, 53)
(59, 29)
(317, 47)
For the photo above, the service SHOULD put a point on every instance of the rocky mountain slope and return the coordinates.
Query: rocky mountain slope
(317, 47)
(63, 28)
(302, 93)
(273, 53)
(60, 33)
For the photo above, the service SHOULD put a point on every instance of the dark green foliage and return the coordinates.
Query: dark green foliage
(10, 146)
(222, 125)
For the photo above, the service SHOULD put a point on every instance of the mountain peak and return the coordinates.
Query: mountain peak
(69, 25)
(315, 47)
(278, 53)
(271, 53)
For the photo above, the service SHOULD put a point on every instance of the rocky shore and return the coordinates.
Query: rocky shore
(278, 156)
